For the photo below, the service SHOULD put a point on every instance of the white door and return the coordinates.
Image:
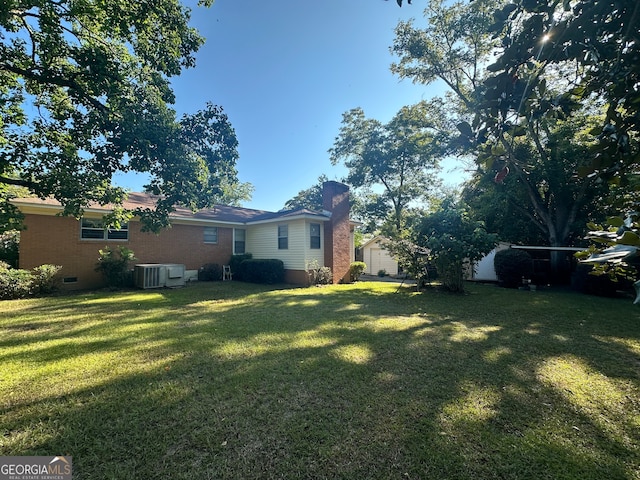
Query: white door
(375, 260)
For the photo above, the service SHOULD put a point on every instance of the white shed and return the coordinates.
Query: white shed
(377, 258)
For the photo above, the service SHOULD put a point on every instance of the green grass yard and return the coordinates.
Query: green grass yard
(228, 380)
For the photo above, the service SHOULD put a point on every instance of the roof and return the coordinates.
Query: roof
(216, 214)
(376, 239)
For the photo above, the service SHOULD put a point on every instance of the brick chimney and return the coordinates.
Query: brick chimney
(337, 232)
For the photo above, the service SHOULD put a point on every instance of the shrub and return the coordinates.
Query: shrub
(413, 258)
(210, 272)
(235, 262)
(45, 279)
(356, 269)
(268, 271)
(14, 283)
(382, 273)
(511, 266)
(9, 247)
(114, 265)
(450, 238)
(319, 275)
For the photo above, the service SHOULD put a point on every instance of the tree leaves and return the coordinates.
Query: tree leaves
(84, 93)
(598, 41)
(399, 158)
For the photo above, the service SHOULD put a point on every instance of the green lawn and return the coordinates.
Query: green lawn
(231, 380)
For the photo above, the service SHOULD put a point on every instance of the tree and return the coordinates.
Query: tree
(10, 216)
(311, 198)
(597, 44)
(543, 175)
(534, 158)
(501, 208)
(452, 48)
(84, 93)
(600, 43)
(394, 163)
(449, 239)
(454, 241)
(233, 192)
(197, 169)
(413, 258)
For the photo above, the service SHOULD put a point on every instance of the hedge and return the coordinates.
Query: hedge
(235, 262)
(268, 271)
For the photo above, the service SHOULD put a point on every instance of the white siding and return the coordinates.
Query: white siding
(484, 269)
(262, 242)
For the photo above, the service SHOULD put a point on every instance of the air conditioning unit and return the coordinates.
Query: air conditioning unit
(175, 275)
(158, 275)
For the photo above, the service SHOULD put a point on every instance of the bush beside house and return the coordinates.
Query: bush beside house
(267, 271)
(113, 264)
(235, 262)
(16, 283)
(319, 275)
(356, 269)
(210, 272)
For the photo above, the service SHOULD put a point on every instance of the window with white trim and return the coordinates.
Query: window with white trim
(94, 229)
(283, 237)
(314, 236)
(239, 240)
(210, 234)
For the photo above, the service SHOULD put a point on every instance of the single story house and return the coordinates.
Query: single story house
(377, 258)
(297, 237)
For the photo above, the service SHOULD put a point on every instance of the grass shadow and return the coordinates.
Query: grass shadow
(354, 381)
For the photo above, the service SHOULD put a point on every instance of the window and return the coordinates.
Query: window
(93, 229)
(211, 235)
(239, 241)
(283, 237)
(315, 235)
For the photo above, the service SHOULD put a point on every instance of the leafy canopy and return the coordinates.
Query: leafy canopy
(310, 198)
(524, 132)
(85, 93)
(596, 44)
(454, 241)
(393, 163)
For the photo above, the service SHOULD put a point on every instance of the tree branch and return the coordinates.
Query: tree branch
(56, 80)
(18, 182)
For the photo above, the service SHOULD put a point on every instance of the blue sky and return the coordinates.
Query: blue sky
(285, 72)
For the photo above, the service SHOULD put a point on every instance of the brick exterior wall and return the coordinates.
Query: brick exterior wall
(296, 277)
(56, 240)
(337, 232)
